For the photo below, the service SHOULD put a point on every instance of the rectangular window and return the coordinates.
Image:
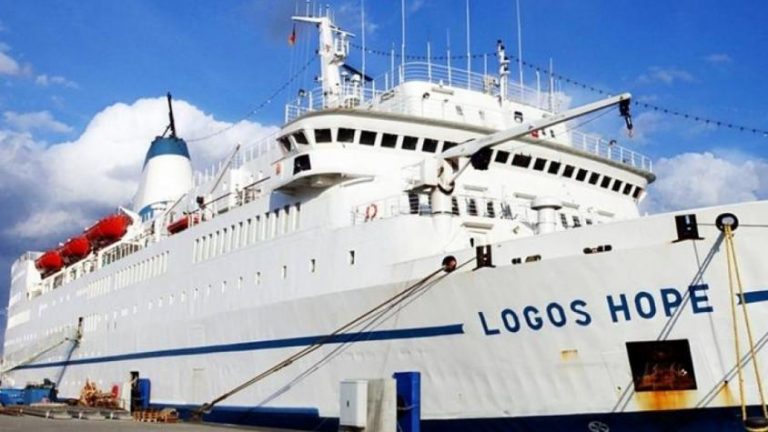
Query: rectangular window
(429, 145)
(284, 143)
(346, 135)
(521, 160)
(449, 144)
(367, 137)
(539, 164)
(568, 171)
(554, 167)
(582, 174)
(409, 143)
(388, 140)
(501, 156)
(300, 137)
(661, 365)
(593, 178)
(323, 136)
(638, 191)
(471, 207)
(606, 182)
(490, 211)
(563, 220)
(576, 221)
(617, 185)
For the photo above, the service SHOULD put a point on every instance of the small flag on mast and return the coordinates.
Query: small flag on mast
(292, 37)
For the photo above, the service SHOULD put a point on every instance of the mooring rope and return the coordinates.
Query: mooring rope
(735, 276)
(448, 266)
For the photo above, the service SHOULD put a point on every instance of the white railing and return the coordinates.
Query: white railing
(609, 150)
(263, 147)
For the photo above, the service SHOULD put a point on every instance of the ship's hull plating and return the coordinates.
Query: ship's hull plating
(541, 345)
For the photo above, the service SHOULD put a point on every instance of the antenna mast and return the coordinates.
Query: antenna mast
(519, 48)
(402, 44)
(170, 116)
(469, 56)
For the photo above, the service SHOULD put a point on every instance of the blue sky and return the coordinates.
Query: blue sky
(72, 75)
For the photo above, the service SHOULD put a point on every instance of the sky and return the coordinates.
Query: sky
(82, 88)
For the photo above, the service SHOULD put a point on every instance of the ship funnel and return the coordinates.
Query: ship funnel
(167, 172)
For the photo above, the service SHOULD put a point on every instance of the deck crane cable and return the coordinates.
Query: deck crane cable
(734, 276)
(74, 339)
(373, 312)
(373, 322)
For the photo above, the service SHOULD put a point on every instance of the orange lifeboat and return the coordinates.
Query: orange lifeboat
(75, 249)
(182, 224)
(49, 262)
(108, 230)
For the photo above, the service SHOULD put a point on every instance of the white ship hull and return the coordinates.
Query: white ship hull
(496, 345)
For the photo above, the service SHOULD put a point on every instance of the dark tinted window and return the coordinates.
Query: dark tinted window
(554, 167)
(502, 156)
(637, 192)
(322, 135)
(367, 137)
(448, 144)
(346, 135)
(521, 160)
(593, 178)
(568, 171)
(627, 189)
(388, 140)
(606, 182)
(300, 137)
(539, 164)
(429, 145)
(617, 185)
(285, 143)
(581, 175)
(409, 143)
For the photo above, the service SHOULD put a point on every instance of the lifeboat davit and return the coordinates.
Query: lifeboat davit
(49, 262)
(182, 224)
(75, 249)
(108, 230)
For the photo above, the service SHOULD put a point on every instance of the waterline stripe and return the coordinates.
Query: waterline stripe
(377, 335)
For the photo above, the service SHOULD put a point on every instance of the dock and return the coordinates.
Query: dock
(27, 423)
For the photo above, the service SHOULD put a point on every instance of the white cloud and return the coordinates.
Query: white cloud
(45, 80)
(73, 183)
(693, 180)
(666, 75)
(8, 66)
(41, 120)
(415, 5)
(719, 58)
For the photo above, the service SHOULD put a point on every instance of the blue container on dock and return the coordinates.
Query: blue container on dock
(35, 395)
(408, 401)
(11, 396)
(144, 387)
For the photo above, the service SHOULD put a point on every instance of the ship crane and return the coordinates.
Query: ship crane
(479, 150)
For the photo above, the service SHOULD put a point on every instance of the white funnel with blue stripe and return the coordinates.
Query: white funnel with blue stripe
(167, 173)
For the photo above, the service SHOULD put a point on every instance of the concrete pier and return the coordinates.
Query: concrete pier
(37, 424)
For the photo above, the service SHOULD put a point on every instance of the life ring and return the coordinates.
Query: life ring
(370, 212)
(115, 391)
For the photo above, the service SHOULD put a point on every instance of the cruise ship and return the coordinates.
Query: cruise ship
(432, 220)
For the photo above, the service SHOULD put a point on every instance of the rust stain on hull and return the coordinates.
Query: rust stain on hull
(665, 400)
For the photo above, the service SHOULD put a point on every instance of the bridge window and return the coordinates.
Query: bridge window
(285, 143)
(448, 144)
(429, 145)
(627, 189)
(554, 167)
(539, 164)
(638, 191)
(300, 138)
(323, 136)
(617, 185)
(409, 143)
(346, 135)
(502, 156)
(593, 178)
(367, 137)
(521, 160)
(606, 182)
(581, 175)
(568, 171)
(388, 140)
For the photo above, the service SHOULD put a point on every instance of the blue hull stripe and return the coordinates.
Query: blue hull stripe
(377, 335)
(687, 420)
(754, 296)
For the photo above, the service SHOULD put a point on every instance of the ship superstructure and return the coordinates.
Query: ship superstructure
(364, 190)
